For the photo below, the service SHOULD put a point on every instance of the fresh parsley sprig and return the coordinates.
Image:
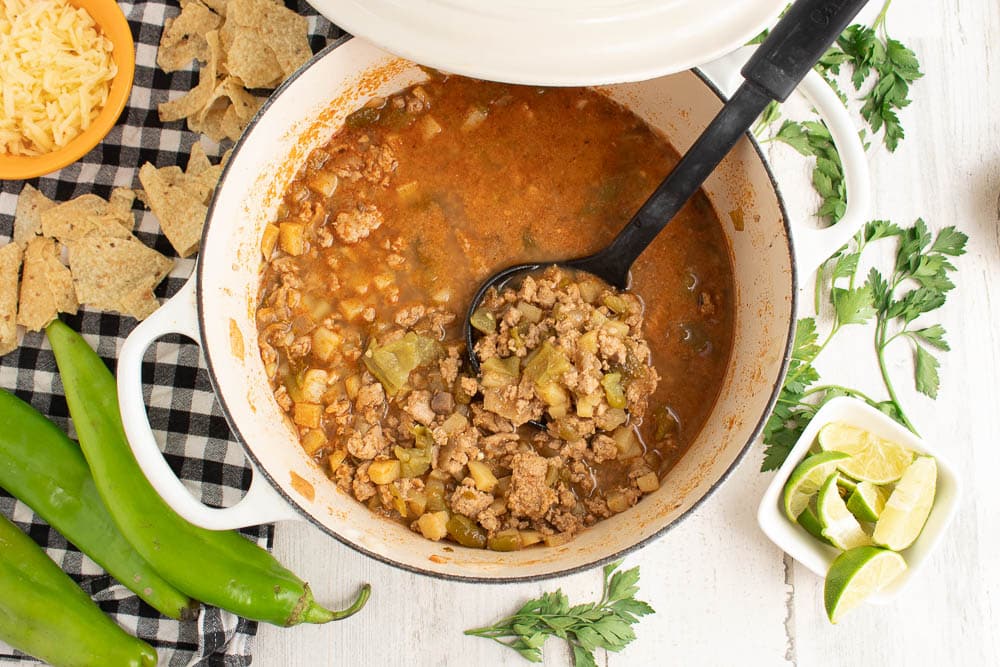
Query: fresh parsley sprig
(604, 624)
(918, 284)
(872, 53)
(812, 139)
(876, 62)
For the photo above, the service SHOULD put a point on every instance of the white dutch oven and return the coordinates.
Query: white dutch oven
(216, 308)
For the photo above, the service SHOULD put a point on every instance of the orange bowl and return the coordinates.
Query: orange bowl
(114, 26)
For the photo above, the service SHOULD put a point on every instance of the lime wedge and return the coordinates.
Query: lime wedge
(855, 575)
(908, 506)
(806, 479)
(839, 525)
(873, 459)
(810, 522)
(867, 501)
(847, 484)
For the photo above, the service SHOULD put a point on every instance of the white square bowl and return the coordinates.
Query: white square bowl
(817, 556)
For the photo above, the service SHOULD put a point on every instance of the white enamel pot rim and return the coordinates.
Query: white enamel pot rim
(287, 486)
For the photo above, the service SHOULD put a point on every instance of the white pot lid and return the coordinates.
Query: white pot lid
(555, 42)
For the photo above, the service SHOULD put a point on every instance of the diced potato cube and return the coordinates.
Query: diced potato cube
(429, 127)
(351, 308)
(627, 441)
(557, 540)
(335, 459)
(383, 280)
(384, 472)
(529, 537)
(409, 193)
(455, 423)
(585, 405)
(326, 343)
(482, 475)
(268, 240)
(307, 414)
(291, 238)
(617, 501)
(417, 503)
(588, 342)
(433, 525)
(648, 482)
(313, 440)
(313, 385)
(552, 394)
(352, 385)
(323, 183)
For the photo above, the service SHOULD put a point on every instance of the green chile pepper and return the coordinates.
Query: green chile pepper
(45, 614)
(44, 469)
(220, 568)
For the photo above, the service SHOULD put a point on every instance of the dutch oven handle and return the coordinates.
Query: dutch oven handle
(261, 504)
(812, 246)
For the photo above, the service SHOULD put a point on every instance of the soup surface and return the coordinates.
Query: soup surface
(381, 241)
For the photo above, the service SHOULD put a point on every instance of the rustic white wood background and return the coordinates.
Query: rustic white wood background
(724, 595)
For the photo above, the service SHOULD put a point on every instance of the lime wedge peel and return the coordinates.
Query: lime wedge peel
(872, 459)
(867, 501)
(806, 479)
(839, 525)
(855, 575)
(908, 507)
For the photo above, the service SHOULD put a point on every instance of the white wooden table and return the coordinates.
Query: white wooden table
(724, 595)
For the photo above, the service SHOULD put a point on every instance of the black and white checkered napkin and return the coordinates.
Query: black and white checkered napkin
(182, 408)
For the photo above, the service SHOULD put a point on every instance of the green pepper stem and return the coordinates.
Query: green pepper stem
(316, 613)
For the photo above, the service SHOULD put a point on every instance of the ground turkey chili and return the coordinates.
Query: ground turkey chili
(381, 240)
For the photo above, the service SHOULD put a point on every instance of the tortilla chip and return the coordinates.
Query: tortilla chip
(284, 31)
(120, 206)
(198, 161)
(46, 286)
(109, 273)
(10, 266)
(196, 99)
(28, 217)
(180, 200)
(85, 215)
(249, 58)
(183, 38)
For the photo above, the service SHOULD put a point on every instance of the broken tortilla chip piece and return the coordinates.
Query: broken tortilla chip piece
(120, 206)
(83, 216)
(117, 274)
(46, 286)
(28, 216)
(248, 58)
(193, 101)
(10, 266)
(198, 160)
(180, 199)
(183, 38)
(284, 31)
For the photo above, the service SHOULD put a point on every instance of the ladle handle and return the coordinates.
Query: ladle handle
(794, 45)
(797, 43)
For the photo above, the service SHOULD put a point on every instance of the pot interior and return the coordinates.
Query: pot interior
(303, 115)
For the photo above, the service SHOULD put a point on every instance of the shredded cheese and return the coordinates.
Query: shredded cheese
(55, 74)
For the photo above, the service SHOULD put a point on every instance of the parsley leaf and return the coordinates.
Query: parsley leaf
(604, 624)
(926, 373)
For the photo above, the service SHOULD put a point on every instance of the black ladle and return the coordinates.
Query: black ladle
(794, 45)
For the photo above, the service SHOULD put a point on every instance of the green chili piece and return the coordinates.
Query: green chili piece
(45, 614)
(220, 568)
(613, 390)
(44, 469)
